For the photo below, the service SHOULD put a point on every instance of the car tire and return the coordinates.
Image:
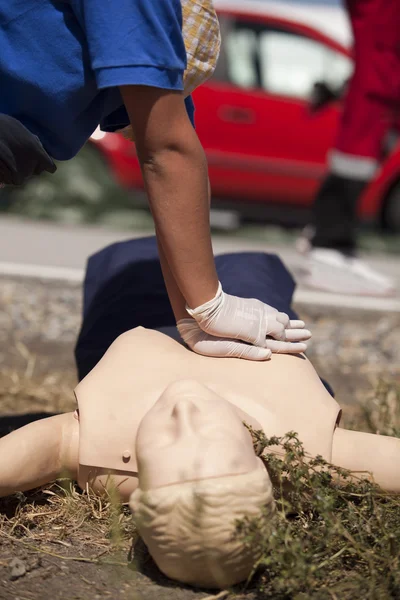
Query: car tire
(391, 210)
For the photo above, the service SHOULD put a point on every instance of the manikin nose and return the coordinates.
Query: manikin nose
(185, 411)
(185, 407)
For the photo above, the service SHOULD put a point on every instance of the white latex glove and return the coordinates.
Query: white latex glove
(208, 345)
(252, 321)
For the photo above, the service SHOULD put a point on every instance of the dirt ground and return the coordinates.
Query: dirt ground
(76, 566)
(59, 543)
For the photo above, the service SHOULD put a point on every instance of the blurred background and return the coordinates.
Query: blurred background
(266, 143)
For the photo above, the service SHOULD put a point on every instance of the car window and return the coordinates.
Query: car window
(243, 45)
(279, 61)
(291, 64)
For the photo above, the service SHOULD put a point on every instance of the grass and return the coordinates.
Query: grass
(62, 515)
(328, 541)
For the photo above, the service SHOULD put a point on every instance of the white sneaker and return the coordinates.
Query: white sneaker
(331, 271)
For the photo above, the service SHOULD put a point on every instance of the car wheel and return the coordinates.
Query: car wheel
(391, 210)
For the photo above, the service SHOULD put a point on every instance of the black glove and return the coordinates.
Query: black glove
(21, 153)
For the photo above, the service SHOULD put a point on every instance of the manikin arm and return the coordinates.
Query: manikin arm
(376, 454)
(39, 453)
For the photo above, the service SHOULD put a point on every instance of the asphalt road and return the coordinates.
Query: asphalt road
(53, 251)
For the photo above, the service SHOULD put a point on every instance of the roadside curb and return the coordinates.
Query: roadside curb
(308, 297)
(302, 296)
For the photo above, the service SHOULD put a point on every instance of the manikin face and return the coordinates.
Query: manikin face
(191, 433)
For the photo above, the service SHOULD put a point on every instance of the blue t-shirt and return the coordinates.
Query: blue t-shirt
(61, 62)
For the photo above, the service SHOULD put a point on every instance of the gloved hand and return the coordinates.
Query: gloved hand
(252, 321)
(203, 343)
(21, 153)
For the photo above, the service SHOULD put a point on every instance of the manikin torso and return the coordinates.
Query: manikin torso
(280, 395)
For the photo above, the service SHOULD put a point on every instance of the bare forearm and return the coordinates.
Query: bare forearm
(176, 298)
(178, 302)
(176, 184)
(175, 174)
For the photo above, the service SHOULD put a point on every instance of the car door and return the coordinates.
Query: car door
(262, 141)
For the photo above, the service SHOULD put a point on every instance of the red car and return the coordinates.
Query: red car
(266, 148)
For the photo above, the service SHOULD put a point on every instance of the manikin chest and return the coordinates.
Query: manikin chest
(283, 394)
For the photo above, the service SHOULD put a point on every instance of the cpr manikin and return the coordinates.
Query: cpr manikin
(165, 426)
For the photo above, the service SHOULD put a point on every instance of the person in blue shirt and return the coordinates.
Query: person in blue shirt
(67, 66)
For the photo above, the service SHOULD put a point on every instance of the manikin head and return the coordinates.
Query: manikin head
(198, 475)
